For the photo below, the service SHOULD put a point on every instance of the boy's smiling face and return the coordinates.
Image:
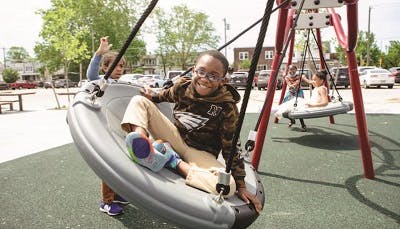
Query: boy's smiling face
(212, 67)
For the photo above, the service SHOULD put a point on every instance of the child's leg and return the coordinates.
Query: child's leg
(107, 194)
(203, 166)
(203, 171)
(303, 126)
(144, 114)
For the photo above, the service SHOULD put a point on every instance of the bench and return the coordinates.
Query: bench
(10, 103)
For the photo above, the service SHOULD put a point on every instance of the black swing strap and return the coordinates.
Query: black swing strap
(249, 146)
(254, 61)
(239, 35)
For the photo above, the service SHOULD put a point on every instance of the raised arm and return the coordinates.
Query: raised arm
(94, 66)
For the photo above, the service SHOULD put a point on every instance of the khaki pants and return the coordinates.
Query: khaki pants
(203, 173)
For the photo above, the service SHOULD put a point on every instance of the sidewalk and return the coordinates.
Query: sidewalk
(29, 132)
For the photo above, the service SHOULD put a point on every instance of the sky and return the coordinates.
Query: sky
(21, 26)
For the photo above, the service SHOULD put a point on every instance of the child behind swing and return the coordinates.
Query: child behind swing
(319, 98)
(103, 58)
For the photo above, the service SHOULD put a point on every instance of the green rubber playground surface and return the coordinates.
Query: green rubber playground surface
(311, 180)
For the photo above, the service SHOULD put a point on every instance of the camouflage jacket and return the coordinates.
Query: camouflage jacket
(206, 123)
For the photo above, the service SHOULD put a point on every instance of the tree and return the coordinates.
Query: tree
(361, 49)
(182, 34)
(245, 64)
(392, 58)
(78, 25)
(62, 36)
(10, 75)
(17, 54)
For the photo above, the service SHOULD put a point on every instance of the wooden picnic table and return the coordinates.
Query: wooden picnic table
(19, 95)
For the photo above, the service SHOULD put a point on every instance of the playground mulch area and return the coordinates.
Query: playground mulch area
(311, 180)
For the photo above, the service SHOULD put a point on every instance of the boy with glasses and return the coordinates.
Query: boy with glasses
(205, 118)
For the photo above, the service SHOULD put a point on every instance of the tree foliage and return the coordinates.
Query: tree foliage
(10, 75)
(71, 30)
(182, 34)
(392, 58)
(361, 50)
(17, 54)
(245, 64)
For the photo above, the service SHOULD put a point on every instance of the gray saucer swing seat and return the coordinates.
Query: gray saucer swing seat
(333, 108)
(95, 128)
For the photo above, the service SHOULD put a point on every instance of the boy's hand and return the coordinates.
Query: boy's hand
(147, 92)
(248, 197)
(103, 47)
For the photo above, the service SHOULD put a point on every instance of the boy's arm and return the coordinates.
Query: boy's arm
(92, 72)
(227, 131)
(237, 169)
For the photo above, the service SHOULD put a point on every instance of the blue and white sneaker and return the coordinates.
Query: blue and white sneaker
(166, 149)
(143, 152)
(111, 209)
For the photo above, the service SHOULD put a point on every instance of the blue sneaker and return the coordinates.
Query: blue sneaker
(166, 149)
(143, 153)
(120, 200)
(111, 209)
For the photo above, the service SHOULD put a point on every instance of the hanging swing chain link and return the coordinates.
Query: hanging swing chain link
(306, 47)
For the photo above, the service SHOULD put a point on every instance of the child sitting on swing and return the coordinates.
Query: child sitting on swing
(319, 98)
(205, 118)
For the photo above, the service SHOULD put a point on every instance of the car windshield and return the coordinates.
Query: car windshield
(240, 74)
(343, 71)
(264, 74)
(379, 71)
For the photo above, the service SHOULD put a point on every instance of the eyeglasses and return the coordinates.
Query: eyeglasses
(210, 77)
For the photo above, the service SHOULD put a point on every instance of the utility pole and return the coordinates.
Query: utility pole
(226, 27)
(4, 57)
(369, 36)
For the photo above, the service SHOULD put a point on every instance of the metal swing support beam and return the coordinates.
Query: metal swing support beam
(348, 43)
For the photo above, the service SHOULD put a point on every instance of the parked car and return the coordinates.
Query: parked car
(48, 84)
(239, 79)
(82, 82)
(131, 78)
(396, 73)
(153, 80)
(22, 84)
(376, 77)
(340, 77)
(263, 79)
(3, 85)
(362, 68)
(62, 83)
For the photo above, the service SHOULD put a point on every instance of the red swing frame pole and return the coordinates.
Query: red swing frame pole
(262, 129)
(348, 44)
